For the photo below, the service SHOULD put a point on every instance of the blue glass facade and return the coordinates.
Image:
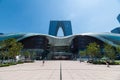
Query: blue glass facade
(117, 30)
(118, 18)
(65, 25)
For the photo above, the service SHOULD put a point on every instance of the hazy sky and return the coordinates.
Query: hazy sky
(34, 15)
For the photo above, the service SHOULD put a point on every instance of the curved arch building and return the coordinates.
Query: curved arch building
(68, 45)
(62, 45)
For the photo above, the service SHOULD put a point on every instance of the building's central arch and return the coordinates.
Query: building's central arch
(55, 25)
(58, 51)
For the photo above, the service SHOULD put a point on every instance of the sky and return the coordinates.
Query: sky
(33, 16)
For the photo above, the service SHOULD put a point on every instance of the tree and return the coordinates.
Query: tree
(3, 50)
(26, 54)
(3, 54)
(93, 50)
(32, 55)
(118, 50)
(82, 53)
(109, 51)
(11, 48)
(15, 49)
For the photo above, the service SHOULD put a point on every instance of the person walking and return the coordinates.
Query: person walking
(43, 62)
(107, 63)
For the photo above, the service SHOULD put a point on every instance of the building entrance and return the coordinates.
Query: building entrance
(61, 53)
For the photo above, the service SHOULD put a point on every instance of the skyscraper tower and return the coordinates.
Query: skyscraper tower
(118, 18)
(117, 30)
(55, 25)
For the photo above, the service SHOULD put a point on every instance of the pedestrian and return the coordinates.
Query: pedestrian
(80, 61)
(107, 63)
(43, 62)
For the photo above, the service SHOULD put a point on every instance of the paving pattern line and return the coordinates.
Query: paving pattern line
(60, 71)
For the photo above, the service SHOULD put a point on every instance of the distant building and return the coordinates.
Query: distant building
(65, 25)
(1, 33)
(118, 18)
(117, 30)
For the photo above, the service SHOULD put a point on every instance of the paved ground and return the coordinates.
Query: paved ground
(71, 70)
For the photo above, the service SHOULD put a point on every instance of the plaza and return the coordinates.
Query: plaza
(70, 70)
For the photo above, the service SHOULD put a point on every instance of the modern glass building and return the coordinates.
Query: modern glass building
(54, 47)
(118, 18)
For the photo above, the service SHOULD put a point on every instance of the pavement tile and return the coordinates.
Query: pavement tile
(71, 70)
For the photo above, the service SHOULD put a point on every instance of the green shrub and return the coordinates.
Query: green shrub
(12, 63)
(7, 64)
(99, 62)
(4, 65)
(29, 61)
(115, 63)
(20, 62)
(104, 62)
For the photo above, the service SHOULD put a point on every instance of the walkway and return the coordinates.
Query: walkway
(71, 70)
